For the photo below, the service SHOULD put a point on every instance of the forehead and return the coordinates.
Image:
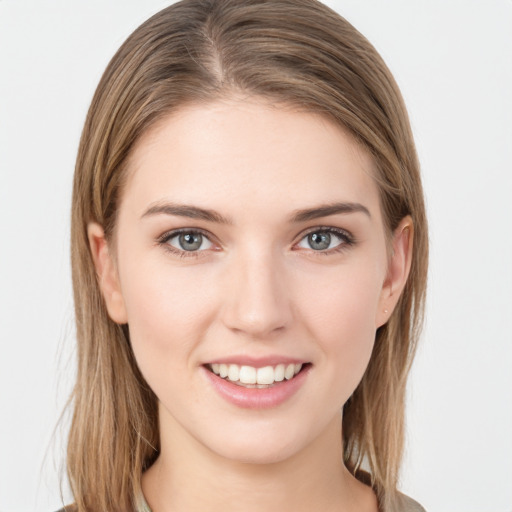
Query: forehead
(248, 153)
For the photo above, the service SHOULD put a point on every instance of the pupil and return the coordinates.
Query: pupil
(191, 241)
(320, 241)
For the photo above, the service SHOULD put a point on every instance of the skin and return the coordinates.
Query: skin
(255, 287)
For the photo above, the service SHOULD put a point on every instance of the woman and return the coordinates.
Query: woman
(249, 252)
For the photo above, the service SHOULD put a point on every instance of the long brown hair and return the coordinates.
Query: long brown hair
(295, 52)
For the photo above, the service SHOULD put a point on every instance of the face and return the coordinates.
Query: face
(250, 243)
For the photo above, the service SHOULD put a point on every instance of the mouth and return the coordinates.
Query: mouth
(258, 378)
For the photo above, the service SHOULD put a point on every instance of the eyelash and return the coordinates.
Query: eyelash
(164, 239)
(347, 240)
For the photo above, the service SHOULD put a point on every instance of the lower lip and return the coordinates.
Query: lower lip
(254, 398)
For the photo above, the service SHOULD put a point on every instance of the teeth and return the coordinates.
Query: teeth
(234, 372)
(248, 375)
(279, 373)
(265, 375)
(289, 372)
(256, 376)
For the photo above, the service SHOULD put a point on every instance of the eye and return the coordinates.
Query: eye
(325, 239)
(189, 241)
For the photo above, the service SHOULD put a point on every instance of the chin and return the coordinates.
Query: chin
(256, 455)
(260, 447)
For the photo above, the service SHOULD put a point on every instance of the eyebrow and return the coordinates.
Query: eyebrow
(329, 209)
(194, 212)
(184, 210)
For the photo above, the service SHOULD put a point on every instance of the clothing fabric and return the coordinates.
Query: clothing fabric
(409, 505)
(406, 504)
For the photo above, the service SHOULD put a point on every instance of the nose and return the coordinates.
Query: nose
(256, 302)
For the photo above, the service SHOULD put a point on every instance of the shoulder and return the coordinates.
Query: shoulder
(406, 504)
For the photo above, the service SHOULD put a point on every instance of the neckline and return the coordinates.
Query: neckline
(143, 504)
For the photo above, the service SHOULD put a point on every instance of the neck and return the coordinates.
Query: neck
(187, 476)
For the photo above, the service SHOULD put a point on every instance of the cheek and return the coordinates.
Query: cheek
(167, 309)
(342, 301)
(339, 312)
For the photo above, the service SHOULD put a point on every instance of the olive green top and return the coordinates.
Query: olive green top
(406, 505)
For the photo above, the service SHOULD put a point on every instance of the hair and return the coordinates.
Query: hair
(298, 53)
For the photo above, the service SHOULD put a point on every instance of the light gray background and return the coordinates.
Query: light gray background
(453, 61)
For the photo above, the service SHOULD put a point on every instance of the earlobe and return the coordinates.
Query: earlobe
(106, 271)
(398, 269)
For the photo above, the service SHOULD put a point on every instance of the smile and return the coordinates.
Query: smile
(257, 387)
(249, 376)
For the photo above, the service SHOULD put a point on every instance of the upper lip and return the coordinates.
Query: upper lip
(256, 362)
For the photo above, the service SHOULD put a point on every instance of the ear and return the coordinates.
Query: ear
(399, 266)
(106, 271)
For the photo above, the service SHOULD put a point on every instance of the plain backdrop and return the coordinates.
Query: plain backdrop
(453, 62)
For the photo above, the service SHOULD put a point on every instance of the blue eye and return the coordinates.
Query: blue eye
(325, 240)
(190, 241)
